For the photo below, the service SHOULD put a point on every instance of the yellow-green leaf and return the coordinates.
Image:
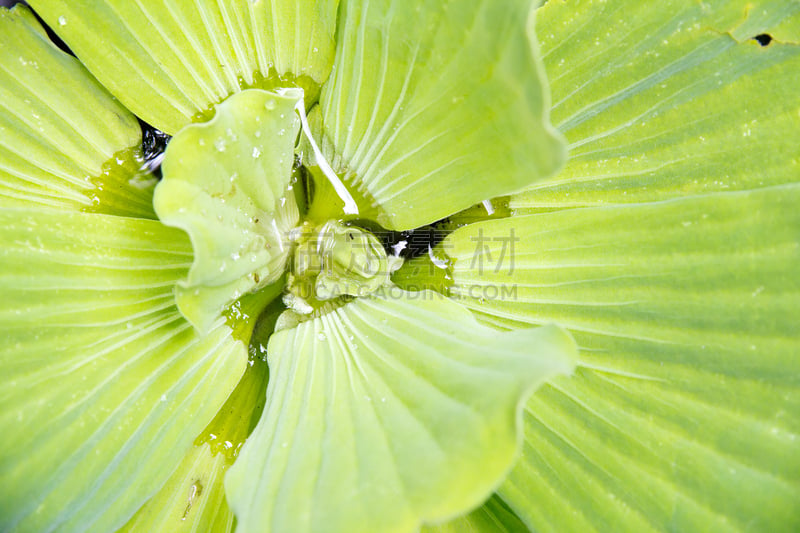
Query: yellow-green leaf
(386, 413)
(104, 384)
(170, 61)
(435, 106)
(683, 412)
(65, 143)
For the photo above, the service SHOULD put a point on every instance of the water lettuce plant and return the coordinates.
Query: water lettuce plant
(372, 288)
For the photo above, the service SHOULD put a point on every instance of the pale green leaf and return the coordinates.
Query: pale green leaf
(385, 413)
(435, 106)
(226, 183)
(666, 105)
(682, 415)
(684, 411)
(193, 499)
(169, 61)
(65, 143)
(104, 384)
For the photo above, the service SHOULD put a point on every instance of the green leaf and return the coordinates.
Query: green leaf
(193, 499)
(684, 412)
(104, 384)
(433, 107)
(65, 143)
(364, 433)
(226, 183)
(169, 61)
(666, 105)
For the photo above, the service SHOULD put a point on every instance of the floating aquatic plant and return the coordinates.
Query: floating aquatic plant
(366, 247)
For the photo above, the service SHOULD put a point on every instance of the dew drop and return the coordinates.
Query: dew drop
(269, 105)
(62, 20)
(256, 152)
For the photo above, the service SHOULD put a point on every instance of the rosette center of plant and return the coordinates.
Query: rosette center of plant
(442, 409)
(334, 261)
(230, 184)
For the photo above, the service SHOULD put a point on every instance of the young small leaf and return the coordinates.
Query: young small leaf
(226, 183)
